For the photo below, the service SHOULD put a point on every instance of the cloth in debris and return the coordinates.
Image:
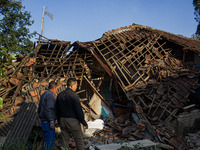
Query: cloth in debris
(93, 126)
(98, 124)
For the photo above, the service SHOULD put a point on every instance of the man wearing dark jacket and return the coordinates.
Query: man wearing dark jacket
(70, 115)
(47, 114)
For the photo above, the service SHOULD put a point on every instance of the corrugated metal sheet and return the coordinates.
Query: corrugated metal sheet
(22, 123)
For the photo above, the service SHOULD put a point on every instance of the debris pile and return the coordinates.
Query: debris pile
(193, 140)
(133, 77)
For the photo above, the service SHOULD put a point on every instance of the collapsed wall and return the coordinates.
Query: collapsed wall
(146, 65)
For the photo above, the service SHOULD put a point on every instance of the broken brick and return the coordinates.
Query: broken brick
(19, 75)
(30, 62)
(33, 93)
(35, 99)
(36, 84)
(44, 83)
(18, 100)
(14, 81)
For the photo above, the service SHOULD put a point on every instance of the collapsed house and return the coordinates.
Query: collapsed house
(141, 79)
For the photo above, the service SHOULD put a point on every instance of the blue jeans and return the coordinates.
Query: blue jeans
(49, 135)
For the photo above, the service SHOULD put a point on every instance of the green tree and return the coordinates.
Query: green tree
(196, 4)
(14, 32)
(5, 60)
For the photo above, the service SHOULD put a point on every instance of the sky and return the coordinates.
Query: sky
(88, 20)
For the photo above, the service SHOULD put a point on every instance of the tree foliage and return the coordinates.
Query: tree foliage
(196, 4)
(14, 33)
(5, 60)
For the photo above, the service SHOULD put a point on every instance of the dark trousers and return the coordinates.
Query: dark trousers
(49, 135)
(71, 126)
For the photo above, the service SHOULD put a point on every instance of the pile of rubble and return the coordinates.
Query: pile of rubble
(134, 77)
(193, 140)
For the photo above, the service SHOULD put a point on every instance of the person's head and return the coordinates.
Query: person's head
(72, 84)
(53, 86)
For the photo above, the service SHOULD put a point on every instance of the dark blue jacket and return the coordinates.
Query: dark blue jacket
(68, 106)
(47, 108)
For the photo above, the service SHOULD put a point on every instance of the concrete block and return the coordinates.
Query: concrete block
(132, 144)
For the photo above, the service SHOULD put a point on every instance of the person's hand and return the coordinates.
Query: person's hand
(57, 125)
(52, 126)
(86, 126)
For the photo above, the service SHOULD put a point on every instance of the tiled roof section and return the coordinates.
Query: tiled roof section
(187, 43)
(119, 30)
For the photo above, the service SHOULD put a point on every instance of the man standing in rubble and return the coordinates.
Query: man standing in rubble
(70, 115)
(47, 114)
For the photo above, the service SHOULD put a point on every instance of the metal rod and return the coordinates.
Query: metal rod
(42, 20)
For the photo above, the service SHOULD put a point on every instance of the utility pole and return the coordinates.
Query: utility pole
(42, 20)
(43, 13)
